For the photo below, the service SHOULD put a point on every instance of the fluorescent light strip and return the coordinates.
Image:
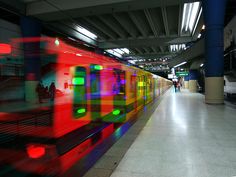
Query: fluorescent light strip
(119, 51)
(183, 16)
(125, 50)
(131, 61)
(113, 53)
(199, 35)
(193, 17)
(189, 15)
(180, 64)
(199, 15)
(86, 32)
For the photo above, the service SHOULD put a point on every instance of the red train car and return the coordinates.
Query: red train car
(94, 95)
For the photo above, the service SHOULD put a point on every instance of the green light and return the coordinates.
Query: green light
(78, 81)
(98, 67)
(81, 110)
(116, 112)
(140, 84)
(57, 43)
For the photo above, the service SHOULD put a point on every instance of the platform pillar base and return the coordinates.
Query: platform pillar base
(214, 90)
(186, 84)
(193, 86)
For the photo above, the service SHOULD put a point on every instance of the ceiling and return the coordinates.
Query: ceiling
(146, 27)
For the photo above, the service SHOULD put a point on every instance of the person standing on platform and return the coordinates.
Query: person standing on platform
(179, 85)
(175, 85)
(52, 91)
(39, 90)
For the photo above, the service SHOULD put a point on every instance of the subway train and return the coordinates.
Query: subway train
(94, 96)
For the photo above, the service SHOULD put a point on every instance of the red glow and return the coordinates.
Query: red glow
(35, 151)
(5, 49)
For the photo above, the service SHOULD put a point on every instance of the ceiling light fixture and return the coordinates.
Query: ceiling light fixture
(86, 32)
(177, 47)
(199, 15)
(190, 16)
(203, 27)
(180, 64)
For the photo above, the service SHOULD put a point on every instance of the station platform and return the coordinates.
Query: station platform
(184, 137)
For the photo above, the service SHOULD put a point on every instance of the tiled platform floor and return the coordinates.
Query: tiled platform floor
(183, 138)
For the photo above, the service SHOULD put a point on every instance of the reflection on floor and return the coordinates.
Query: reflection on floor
(183, 138)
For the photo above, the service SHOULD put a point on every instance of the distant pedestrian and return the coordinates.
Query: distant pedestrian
(40, 90)
(52, 91)
(179, 85)
(175, 85)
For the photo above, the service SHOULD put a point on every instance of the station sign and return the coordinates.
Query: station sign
(180, 74)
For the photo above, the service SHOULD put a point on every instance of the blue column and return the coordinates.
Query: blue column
(186, 78)
(186, 82)
(31, 28)
(193, 74)
(214, 12)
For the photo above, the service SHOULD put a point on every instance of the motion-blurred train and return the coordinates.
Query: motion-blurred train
(95, 95)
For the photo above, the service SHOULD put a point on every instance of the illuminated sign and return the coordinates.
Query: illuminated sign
(179, 74)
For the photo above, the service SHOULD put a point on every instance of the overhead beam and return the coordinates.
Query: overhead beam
(41, 7)
(137, 23)
(139, 51)
(126, 26)
(100, 27)
(143, 42)
(150, 21)
(93, 29)
(154, 49)
(151, 55)
(152, 62)
(197, 50)
(49, 10)
(133, 51)
(71, 30)
(146, 50)
(14, 6)
(165, 20)
(162, 49)
(111, 24)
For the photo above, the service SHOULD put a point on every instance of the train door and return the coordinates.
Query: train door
(133, 89)
(145, 96)
(140, 91)
(154, 88)
(119, 98)
(95, 88)
(79, 88)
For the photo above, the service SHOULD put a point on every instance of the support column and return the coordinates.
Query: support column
(31, 28)
(193, 76)
(214, 12)
(186, 82)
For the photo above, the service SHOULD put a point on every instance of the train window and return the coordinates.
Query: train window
(95, 80)
(119, 84)
(79, 89)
